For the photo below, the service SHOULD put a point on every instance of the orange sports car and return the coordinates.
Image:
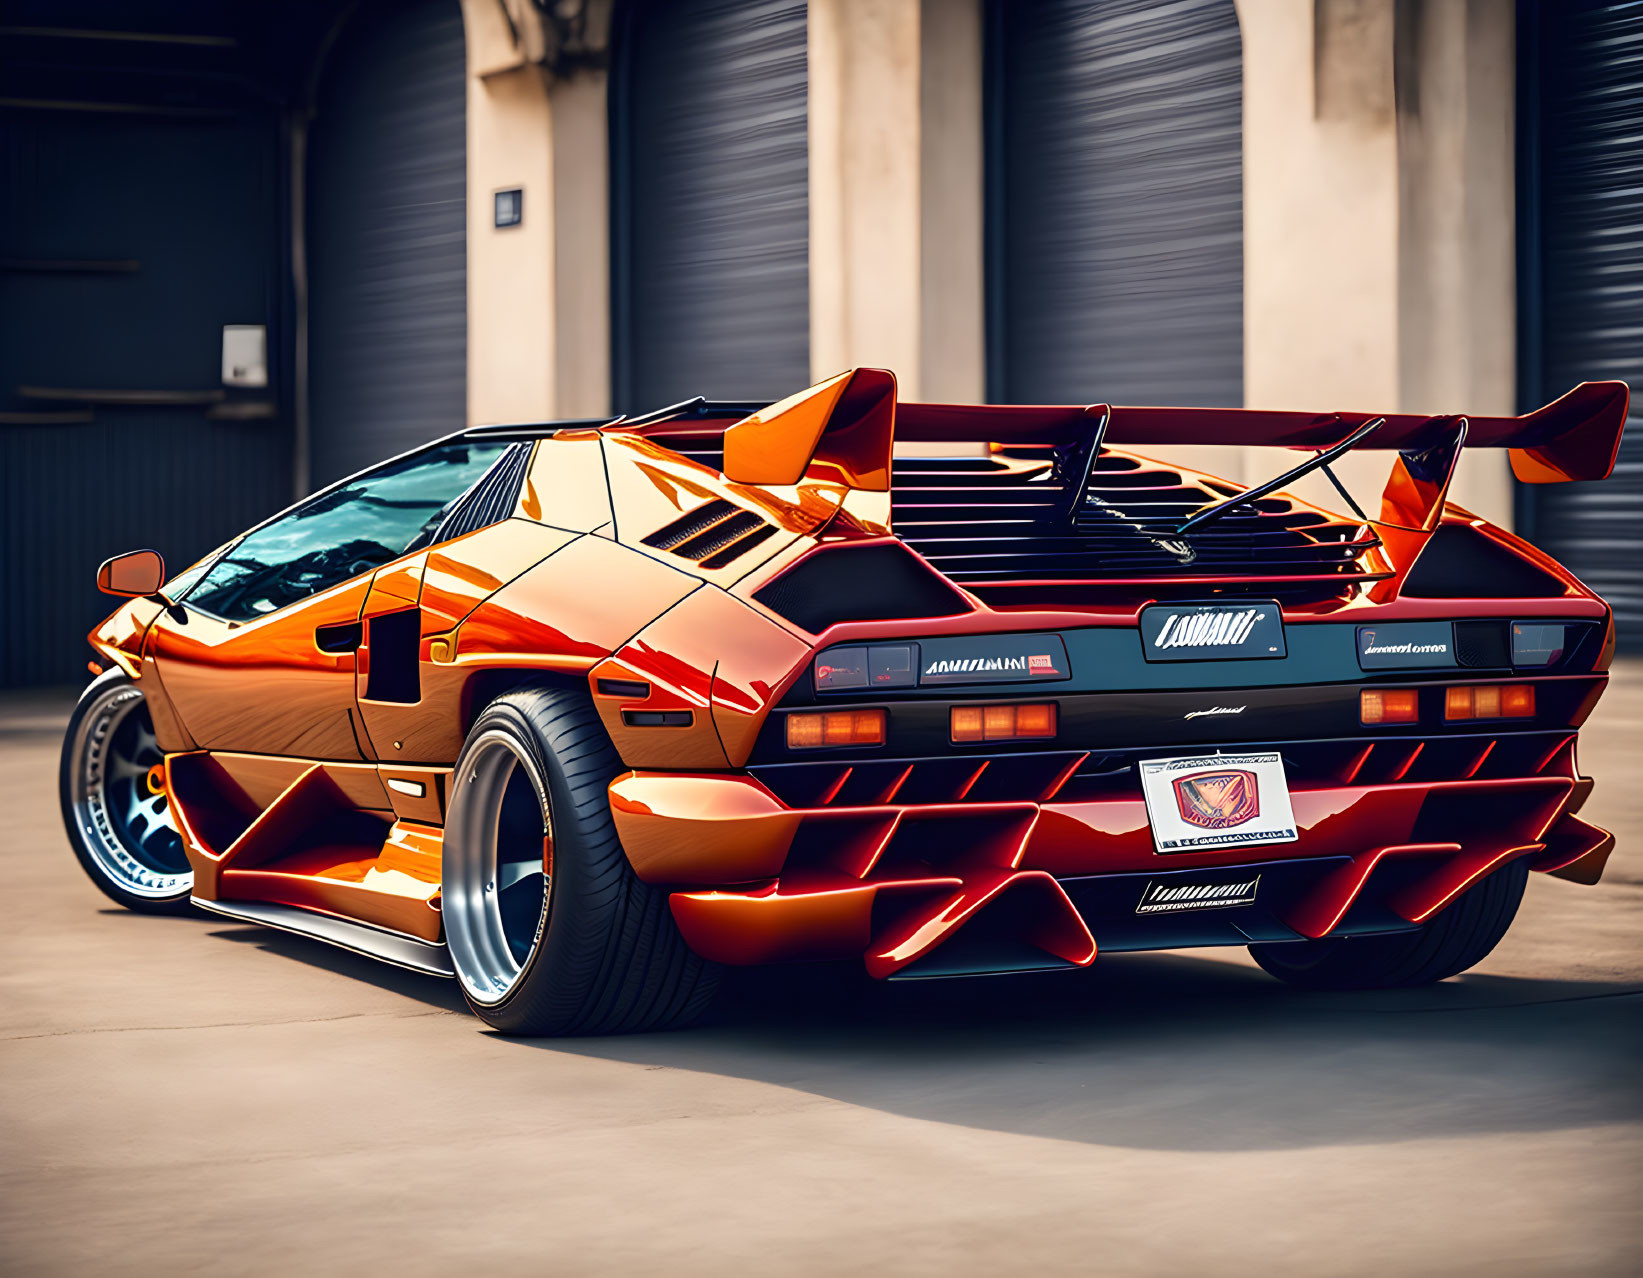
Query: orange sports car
(577, 712)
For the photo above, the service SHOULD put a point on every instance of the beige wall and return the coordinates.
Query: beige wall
(511, 320)
(538, 293)
(895, 192)
(1457, 330)
(952, 298)
(1378, 197)
(581, 190)
(864, 187)
(1320, 217)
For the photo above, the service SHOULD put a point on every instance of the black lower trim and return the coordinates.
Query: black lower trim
(1110, 905)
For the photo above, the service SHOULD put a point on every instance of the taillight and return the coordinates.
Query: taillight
(835, 728)
(1538, 643)
(1003, 722)
(1391, 705)
(1490, 701)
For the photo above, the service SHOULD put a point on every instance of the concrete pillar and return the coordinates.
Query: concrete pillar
(1378, 197)
(539, 292)
(581, 203)
(1457, 323)
(512, 324)
(895, 192)
(864, 187)
(952, 158)
(1320, 213)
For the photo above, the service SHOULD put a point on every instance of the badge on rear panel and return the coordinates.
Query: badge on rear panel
(1218, 801)
(1391, 645)
(993, 659)
(1213, 631)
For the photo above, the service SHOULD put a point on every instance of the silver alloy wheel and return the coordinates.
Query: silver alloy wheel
(123, 819)
(498, 866)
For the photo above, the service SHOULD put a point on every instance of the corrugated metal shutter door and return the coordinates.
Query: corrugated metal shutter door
(1591, 274)
(387, 238)
(1116, 267)
(176, 221)
(711, 207)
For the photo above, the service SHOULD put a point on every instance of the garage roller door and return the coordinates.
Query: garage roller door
(711, 190)
(1116, 202)
(1589, 324)
(387, 237)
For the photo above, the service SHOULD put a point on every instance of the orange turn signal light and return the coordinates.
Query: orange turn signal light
(835, 728)
(1389, 705)
(1490, 701)
(1003, 723)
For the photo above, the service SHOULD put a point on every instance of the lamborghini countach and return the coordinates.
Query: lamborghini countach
(577, 713)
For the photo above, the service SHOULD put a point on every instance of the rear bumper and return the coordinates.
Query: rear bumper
(1039, 879)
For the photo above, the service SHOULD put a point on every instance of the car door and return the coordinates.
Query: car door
(260, 654)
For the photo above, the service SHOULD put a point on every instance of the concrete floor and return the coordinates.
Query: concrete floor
(193, 1095)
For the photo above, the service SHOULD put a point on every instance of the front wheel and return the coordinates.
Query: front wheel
(114, 803)
(1448, 943)
(549, 929)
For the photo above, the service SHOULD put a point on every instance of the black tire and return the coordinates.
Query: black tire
(120, 830)
(1457, 937)
(606, 957)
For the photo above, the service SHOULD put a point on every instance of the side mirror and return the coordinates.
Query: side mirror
(133, 574)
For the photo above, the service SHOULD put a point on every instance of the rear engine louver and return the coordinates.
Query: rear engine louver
(712, 535)
(996, 523)
(1002, 526)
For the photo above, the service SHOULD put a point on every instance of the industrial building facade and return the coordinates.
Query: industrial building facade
(248, 249)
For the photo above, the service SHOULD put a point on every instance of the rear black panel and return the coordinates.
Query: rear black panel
(1461, 563)
(878, 582)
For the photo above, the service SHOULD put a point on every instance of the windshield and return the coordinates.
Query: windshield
(351, 529)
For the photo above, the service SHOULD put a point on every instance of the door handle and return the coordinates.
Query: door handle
(346, 637)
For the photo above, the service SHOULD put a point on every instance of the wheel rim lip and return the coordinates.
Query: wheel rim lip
(98, 823)
(475, 933)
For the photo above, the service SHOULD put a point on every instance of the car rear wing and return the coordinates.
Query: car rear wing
(1575, 437)
(842, 431)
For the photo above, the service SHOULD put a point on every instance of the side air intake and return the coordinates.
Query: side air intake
(712, 535)
(879, 581)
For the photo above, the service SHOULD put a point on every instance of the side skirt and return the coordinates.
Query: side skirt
(361, 938)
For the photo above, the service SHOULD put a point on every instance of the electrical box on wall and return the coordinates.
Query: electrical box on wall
(244, 355)
(510, 207)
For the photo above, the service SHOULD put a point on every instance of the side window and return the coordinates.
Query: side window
(351, 529)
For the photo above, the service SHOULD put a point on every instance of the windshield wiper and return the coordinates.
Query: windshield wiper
(1319, 461)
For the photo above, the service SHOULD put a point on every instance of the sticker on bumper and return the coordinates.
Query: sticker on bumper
(1217, 801)
(1166, 898)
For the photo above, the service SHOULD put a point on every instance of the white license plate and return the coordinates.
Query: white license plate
(1217, 801)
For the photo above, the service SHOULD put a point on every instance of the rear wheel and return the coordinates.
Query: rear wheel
(550, 930)
(1451, 941)
(114, 803)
